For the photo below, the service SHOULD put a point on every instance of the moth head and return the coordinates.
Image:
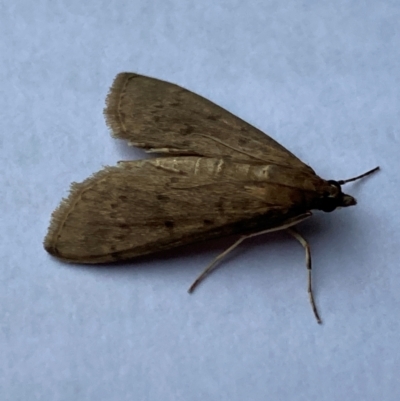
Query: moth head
(333, 198)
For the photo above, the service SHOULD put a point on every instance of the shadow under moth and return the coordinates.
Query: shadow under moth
(215, 176)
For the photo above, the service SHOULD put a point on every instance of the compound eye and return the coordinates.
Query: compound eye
(329, 205)
(336, 188)
(331, 197)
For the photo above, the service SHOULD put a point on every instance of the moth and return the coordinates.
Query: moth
(215, 176)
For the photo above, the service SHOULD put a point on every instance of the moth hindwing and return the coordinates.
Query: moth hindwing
(215, 176)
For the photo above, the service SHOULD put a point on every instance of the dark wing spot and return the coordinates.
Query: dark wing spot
(169, 224)
(187, 130)
(243, 141)
(115, 256)
(163, 197)
(122, 198)
(124, 226)
(208, 222)
(213, 117)
(220, 206)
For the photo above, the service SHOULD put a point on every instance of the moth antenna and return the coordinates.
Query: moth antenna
(341, 182)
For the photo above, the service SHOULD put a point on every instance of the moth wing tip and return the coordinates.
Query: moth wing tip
(49, 242)
(113, 100)
(51, 248)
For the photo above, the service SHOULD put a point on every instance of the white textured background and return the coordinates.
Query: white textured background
(321, 77)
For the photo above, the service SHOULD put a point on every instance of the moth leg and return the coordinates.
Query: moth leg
(292, 231)
(212, 265)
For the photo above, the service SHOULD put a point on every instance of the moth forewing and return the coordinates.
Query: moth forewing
(159, 116)
(217, 176)
(144, 206)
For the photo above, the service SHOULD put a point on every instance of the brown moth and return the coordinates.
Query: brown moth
(216, 176)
